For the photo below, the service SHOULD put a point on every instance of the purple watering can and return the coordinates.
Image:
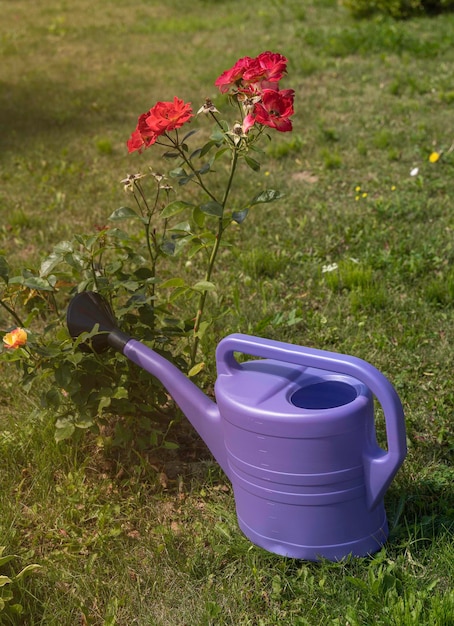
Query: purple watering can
(293, 431)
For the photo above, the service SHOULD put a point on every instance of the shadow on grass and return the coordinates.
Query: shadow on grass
(48, 110)
(423, 510)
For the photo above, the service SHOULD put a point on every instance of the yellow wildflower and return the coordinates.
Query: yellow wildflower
(434, 157)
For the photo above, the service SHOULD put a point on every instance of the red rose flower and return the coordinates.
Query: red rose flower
(142, 137)
(274, 110)
(233, 76)
(165, 116)
(268, 66)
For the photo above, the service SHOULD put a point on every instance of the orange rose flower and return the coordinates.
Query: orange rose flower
(15, 339)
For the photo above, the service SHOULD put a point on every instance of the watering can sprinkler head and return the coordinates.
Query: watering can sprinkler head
(85, 311)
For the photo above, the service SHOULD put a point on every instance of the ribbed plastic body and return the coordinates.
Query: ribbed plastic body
(296, 458)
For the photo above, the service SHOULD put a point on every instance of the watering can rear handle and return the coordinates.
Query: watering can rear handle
(379, 470)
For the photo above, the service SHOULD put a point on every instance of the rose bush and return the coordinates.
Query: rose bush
(128, 260)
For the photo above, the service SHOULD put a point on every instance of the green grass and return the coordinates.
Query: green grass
(151, 538)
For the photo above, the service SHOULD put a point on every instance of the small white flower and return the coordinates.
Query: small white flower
(331, 267)
(414, 171)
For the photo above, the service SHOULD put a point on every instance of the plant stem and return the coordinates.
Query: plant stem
(12, 313)
(211, 262)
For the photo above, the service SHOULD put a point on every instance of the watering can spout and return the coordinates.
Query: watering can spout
(89, 310)
(202, 412)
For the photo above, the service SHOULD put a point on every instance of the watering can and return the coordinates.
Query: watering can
(293, 431)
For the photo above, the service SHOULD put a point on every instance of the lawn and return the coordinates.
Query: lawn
(357, 258)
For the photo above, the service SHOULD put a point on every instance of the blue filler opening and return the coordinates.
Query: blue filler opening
(325, 395)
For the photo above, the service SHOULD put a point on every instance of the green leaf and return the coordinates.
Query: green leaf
(4, 269)
(123, 213)
(63, 247)
(268, 195)
(253, 164)
(178, 292)
(220, 152)
(212, 208)
(217, 136)
(172, 282)
(194, 249)
(54, 259)
(198, 216)
(207, 147)
(34, 282)
(6, 559)
(202, 329)
(174, 208)
(85, 422)
(170, 445)
(4, 580)
(240, 216)
(181, 229)
(103, 404)
(64, 429)
(196, 369)
(120, 393)
(204, 285)
(29, 569)
(189, 134)
(168, 247)
(184, 180)
(171, 155)
(177, 172)
(205, 168)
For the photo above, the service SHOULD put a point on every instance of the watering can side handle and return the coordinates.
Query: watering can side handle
(379, 471)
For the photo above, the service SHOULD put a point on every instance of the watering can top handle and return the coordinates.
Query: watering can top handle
(380, 470)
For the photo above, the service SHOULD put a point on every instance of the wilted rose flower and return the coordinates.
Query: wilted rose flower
(15, 339)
